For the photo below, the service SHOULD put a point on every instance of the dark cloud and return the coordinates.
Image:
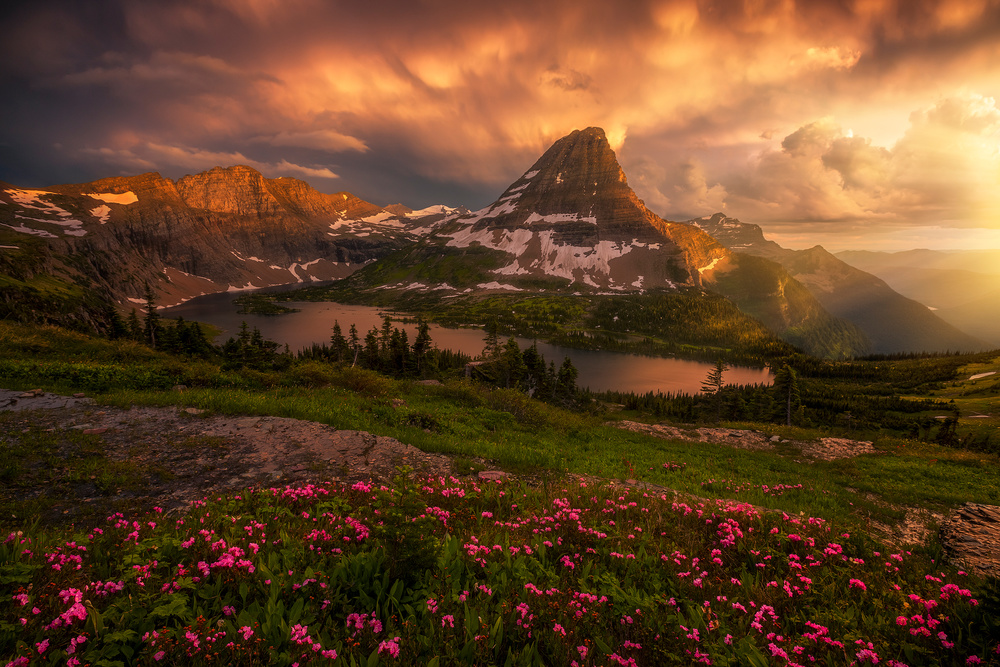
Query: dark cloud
(449, 100)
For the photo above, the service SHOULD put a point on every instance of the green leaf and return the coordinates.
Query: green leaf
(471, 622)
(373, 659)
(394, 592)
(94, 619)
(176, 606)
(296, 613)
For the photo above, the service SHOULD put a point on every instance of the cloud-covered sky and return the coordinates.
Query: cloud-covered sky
(845, 122)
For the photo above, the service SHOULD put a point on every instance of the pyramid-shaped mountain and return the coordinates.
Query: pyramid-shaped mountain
(572, 215)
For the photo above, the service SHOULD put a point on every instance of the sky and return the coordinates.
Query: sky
(850, 123)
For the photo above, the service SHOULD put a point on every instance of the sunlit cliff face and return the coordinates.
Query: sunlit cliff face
(853, 115)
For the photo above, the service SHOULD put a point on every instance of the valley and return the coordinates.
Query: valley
(447, 478)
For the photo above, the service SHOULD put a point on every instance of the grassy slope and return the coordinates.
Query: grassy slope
(455, 573)
(516, 432)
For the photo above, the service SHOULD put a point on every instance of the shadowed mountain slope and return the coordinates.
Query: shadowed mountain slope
(891, 321)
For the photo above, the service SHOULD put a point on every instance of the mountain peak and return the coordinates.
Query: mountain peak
(573, 215)
(238, 189)
(575, 173)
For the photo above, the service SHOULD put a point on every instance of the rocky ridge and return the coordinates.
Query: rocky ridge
(224, 229)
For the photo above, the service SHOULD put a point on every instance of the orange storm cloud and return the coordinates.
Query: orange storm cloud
(772, 110)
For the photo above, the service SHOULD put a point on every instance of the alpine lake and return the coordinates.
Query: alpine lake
(598, 370)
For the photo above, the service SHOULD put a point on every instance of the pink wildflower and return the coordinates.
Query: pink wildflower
(392, 647)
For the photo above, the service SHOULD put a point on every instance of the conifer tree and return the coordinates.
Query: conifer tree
(151, 328)
(421, 344)
(372, 354)
(134, 326)
(117, 328)
(786, 391)
(355, 343)
(712, 386)
(491, 343)
(511, 365)
(338, 343)
(386, 336)
(567, 378)
(536, 379)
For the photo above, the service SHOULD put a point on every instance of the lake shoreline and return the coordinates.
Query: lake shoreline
(600, 370)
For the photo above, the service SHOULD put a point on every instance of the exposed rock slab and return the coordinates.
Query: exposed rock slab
(971, 537)
(38, 400)
(825, 449)
(182, 456)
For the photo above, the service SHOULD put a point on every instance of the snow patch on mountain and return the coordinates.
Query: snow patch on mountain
(101, 213)
(553, 218)
(565, 261)
(381, 217)
(436, 209)
(34, 232)
(513, 241)
(124, 198)
(33, 199)
(499, 286)
(73, 227)
(710, 265)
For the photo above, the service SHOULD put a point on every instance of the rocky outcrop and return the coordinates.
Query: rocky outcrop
(971, 537)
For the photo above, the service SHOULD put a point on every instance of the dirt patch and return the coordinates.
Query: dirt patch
(825, 449)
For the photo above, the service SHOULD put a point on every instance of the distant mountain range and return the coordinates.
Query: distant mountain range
(891, 321)
(570, 224)
(962, 287)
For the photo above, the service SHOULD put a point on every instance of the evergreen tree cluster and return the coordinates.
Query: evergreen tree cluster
(506, 365)
(181, 337)
(249, 349)
(801, 401)
(387, 349)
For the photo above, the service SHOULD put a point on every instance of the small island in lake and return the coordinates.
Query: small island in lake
(258, 304)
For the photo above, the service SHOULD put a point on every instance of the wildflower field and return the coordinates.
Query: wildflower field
(435, 571)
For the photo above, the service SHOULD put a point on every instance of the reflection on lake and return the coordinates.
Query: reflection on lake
(599, 370)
